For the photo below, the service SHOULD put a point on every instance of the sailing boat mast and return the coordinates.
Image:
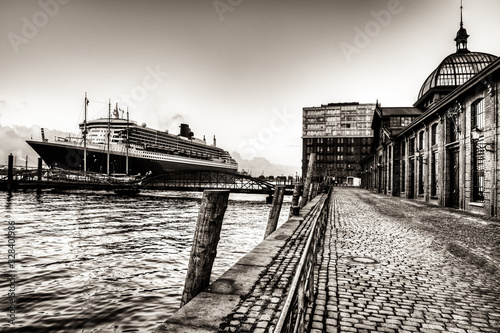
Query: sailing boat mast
(126, 147)
(109, 137)
(85, 137)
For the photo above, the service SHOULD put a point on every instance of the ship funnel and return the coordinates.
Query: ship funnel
(186, 131)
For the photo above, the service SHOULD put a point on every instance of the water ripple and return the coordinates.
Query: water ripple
(95, 262)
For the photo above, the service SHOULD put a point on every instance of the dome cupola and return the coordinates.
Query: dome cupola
(453, 71)
(462, 35)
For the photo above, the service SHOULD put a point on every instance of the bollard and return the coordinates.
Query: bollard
(10, 173)
(269, 198)
(295, 199)
(205, 240)
(39, 170)
(307, 184)
(274, 214)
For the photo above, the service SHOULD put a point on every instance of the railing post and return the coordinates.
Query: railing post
(307, 184)
(315, 190)
(205, 240)
(274, 214)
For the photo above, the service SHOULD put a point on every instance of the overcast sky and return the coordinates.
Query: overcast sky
(238, 69)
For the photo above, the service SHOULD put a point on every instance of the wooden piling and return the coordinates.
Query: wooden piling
(295, 200)
(274, 214)
(307, 184)
(39, 170)
(10, 172)
(205, 240)
(269, 199)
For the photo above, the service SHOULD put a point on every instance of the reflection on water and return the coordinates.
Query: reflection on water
(96, 262)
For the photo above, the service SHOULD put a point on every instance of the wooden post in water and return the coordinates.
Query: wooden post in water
(39, 170)
(307, 183)
(205, 240)
(274, 214)
(294, 207)
(10, 173)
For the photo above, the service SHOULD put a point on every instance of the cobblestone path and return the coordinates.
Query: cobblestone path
(258, 312)
(396, 265)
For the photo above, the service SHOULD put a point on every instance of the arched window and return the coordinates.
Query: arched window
(434, 134)
(478, 170)
(477, 114)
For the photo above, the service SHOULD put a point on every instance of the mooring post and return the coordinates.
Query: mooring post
(205, 240)
(269, 198)
(274, 214)
(307, 183)
(39, 170)
(294, 207)
(10, 172)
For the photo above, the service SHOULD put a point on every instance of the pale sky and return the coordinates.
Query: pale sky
(238, 69)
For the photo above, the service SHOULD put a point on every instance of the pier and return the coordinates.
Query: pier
(355, 261)
(60, 179)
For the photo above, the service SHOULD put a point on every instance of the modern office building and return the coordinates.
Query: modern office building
(341, 136)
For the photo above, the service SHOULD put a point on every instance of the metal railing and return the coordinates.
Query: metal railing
(293, 316)
(208, 179)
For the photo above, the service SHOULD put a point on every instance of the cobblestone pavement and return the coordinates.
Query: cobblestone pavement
(258, 311)
(397, 265)
(387, 265)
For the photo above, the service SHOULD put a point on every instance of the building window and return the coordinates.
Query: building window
(420, 175)
(452, 128)
(403, 149)
(434, 138)
(421, 140)
(403, 175)
(434, 168)
(411, 147)
(477, 113)
(405, 121)
(389, 176)
(395, 122)
(478, 171)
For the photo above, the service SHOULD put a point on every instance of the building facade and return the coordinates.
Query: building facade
(341, 136)
(448, 155)
(387, 122)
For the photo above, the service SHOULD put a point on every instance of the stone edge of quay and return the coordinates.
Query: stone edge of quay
(207, 311)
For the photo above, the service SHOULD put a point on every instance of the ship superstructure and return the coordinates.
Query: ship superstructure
(119, 146)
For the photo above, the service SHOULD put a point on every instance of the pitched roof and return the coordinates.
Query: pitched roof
(400, 111)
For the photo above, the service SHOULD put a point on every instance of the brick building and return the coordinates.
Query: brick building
(341, 136)
(387, 122)
(449, 154)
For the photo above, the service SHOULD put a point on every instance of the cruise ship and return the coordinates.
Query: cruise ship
(115, 145)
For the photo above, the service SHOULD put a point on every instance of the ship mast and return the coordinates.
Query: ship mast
(109, 135)
(85, 137)
(126, 147)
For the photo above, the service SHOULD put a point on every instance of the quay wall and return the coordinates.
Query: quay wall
(209, 309)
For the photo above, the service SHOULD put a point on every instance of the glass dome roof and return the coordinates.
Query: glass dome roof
(455, 70)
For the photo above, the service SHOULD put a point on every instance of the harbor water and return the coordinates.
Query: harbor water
(98, 262)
